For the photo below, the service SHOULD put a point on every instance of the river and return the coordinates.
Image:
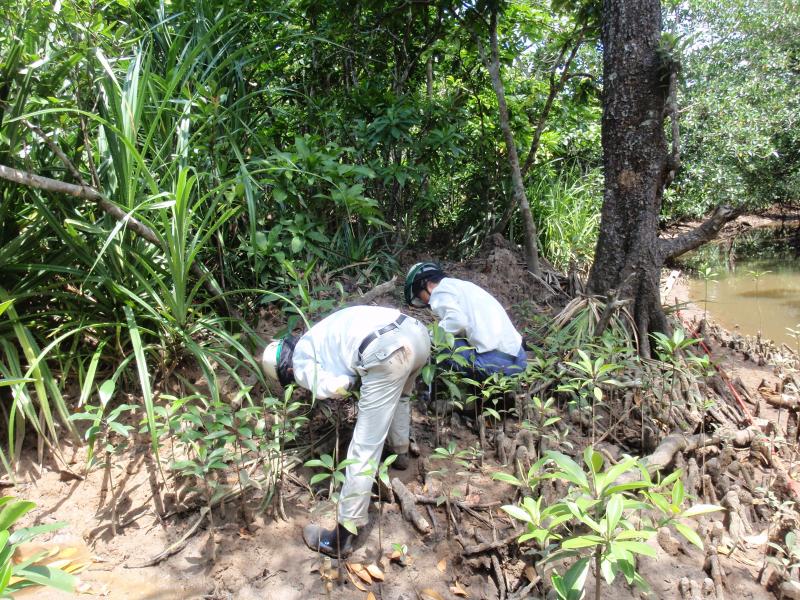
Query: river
(759, 290)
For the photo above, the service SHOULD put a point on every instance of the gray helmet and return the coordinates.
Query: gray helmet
(417, 277)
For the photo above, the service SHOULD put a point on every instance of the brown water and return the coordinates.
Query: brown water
(741, 301)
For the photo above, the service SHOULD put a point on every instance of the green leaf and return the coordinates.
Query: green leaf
(297, 244)
(4, 305)
(518, 513)
(121, 429)
(607, 569)
(507, 478)
(574, 579)
(582, 541)
(48, 576)
(677, 493)
(593, 460)
(13, 511)
(700, 509)
(318, 477)
(144, 380)
(636, 547)
(350, 526)
(624, 487)
(28, 533)
(261, 241)
(690, 534)
(670, 478)
(635, 534)
(614, 512)
(661, 502)
(106, 391)
(569, 469)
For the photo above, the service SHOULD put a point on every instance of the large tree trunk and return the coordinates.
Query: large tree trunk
(636, 86)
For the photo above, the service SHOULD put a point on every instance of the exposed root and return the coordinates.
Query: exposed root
(408, 506)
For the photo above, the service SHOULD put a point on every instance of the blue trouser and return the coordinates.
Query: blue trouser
(481, 365)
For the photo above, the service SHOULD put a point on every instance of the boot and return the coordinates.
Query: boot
(325, 540)
(401, 462)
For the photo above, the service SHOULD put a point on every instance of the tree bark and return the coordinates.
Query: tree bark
(629, 253)
(492, 64)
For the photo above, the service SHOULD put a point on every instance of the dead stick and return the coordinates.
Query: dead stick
(432, 517)
(782, 401)
(177, 546)
(459, 503)
(501, 580)
(376, 292)
(478, 548)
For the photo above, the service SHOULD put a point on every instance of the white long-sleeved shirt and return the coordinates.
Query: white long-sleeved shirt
(467, 310)
(325, 357)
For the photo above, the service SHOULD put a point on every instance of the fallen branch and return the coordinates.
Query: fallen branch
(487, 546)
(498, 573)
(177, 546)
(547, 286)
(470, 509)
(781, 400)
(376, 292)
(462, 505)
(408, 506)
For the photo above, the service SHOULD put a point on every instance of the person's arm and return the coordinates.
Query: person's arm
(307, 372)
(452, 317)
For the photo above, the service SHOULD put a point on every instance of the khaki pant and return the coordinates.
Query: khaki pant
(388, 369)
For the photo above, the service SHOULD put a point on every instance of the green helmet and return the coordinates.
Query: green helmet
(417, 276)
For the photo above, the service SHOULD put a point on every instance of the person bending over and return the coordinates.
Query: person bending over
(387, 350)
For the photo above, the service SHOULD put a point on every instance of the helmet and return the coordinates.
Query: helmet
(271, 358)
(276, 362)
(417, 276)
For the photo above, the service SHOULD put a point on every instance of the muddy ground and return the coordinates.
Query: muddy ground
(266, 558)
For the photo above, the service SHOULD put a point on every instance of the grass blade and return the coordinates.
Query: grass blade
(144, 380)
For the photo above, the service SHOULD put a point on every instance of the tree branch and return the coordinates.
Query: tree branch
(674, 160)
(89, 193)
(492, 63)
(56, 150)
(555, 88)
(672, 247)
(376, 292)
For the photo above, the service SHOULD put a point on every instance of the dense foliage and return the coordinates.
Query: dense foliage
(739, 104)
(296, 148)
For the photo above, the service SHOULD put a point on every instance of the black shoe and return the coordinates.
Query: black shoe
(401, 462)
(325, 540)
